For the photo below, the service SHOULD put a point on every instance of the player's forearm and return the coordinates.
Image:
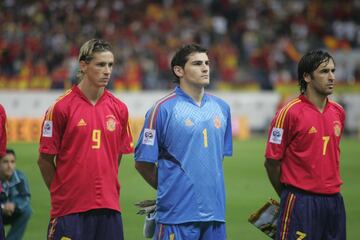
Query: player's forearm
(148, 171)
(273, 169)
(47, 168)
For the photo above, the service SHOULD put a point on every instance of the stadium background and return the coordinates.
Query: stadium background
(254, 47)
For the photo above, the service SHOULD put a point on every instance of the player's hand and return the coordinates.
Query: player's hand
(9, 208)
(146, 206)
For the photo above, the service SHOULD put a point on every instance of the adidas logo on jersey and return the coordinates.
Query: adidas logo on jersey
(312, 130)
(81, 123)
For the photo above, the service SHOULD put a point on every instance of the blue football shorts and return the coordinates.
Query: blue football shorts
(305, 215)
(93, 224)
(191, 231)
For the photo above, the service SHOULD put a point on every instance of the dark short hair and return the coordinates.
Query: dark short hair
(309, 63)
(92, 46)
(182, 56)
(10, 151)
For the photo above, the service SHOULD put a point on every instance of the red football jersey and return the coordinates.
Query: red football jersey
(307, 142)
(3, 138)
(87, 140)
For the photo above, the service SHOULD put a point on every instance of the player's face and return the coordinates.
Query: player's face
(98, 70)
(7, 166)
(196, 71)
(323, 79)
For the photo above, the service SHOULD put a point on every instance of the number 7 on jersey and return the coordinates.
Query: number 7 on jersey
(326, 141)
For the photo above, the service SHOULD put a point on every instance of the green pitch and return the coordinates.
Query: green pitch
(246, 182)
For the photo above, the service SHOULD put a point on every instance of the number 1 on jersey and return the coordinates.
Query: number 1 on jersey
(326, 141)
(205, 137)
(96, 137)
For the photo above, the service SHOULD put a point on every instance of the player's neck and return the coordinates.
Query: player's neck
(92, 93)
(318, 100)
(196, 93)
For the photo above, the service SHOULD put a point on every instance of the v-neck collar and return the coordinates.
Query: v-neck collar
(303, 98)
(77, 90)
(182, 93)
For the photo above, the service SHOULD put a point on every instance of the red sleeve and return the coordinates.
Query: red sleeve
(52, 130)
(279, 135)
(3, 137)
(343, 118)
(127, 145)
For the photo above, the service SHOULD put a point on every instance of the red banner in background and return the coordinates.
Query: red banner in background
(23, 129)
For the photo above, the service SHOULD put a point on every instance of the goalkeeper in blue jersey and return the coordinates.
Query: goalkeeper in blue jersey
(180, 152)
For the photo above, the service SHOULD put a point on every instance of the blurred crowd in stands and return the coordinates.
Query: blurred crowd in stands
(251, 42)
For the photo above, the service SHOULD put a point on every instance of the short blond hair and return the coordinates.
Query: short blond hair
(89, 48)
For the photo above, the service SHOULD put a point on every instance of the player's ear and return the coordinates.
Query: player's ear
(83, 66)
(179, 71)
(307, 77)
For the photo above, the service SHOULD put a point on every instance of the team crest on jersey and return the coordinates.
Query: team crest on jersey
(188, 122)
(110, 123)
(47, 129)
(337, 128)
(149, 136)
(276, 135)
(217, 122)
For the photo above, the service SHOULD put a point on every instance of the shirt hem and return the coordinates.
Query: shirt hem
(190, 221)
(81, 211)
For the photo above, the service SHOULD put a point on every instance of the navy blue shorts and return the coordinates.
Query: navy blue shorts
(191, 231)
(305, 215)
(91, 225)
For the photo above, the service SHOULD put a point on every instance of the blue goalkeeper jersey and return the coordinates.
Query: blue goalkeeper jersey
(188, 142)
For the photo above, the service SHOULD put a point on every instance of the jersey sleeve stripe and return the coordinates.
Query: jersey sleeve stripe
(285, 112)
(156, 108)
(278, 119)
(129, 132)
(49, 114)
(281, 117)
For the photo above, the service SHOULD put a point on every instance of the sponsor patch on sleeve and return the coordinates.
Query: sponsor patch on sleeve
(47, 129)
(276, 135)
(149, 136)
